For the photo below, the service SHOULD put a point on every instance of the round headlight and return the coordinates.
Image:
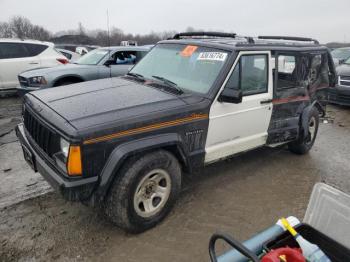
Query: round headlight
(64, 147)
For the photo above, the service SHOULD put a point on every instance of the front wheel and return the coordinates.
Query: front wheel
(144, 191)
(304, 144)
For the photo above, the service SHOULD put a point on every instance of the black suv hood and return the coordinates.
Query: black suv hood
(90, 104)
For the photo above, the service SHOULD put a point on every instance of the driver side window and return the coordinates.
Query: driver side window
(250, 75)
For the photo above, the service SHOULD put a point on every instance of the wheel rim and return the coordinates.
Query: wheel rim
(152, 193)
(312, 130)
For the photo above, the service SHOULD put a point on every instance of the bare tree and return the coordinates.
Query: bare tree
(20, 26)
(101, 37)
(5, 30)
(39, 33)
(81, 29)
(167, 34)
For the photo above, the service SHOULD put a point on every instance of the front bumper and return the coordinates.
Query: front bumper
(78, 189)
(339, 95)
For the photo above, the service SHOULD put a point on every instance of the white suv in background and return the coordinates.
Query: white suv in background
(18, 55)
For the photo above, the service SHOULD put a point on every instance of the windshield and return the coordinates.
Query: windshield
(341, 54)
(92, 58)
(190, 67)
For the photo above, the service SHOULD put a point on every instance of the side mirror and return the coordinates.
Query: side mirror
(336, 61)
(109, 62)
(231, 96)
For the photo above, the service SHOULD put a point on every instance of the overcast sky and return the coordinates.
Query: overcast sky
(326, 20)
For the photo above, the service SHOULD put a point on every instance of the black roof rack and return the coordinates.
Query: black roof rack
(289, 38)
(204, 34)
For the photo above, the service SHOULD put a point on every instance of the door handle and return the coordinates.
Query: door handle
(33, 63)
(267, 101)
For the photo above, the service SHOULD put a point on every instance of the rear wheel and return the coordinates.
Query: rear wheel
(304, 144)
(144, 191)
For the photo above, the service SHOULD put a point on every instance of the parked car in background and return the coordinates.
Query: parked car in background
(100, 63)
(18, 55)
(80, 49)
(128, 43)
(340, 55)
(341, 93)
(71, 56)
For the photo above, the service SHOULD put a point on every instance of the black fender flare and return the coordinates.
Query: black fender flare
(125, 150)
(305, 117)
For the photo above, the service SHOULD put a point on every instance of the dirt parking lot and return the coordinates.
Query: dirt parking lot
(240, 196)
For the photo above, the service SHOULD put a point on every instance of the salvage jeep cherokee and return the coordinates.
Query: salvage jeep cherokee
(124, 143)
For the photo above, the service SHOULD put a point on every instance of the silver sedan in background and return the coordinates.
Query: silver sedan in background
(100, 63)
(71, 56)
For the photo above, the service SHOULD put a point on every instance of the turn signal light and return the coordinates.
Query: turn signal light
(74, 166)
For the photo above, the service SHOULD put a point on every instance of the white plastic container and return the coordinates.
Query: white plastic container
(329, 212)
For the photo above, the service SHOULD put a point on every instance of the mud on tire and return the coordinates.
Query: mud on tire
(133, 202)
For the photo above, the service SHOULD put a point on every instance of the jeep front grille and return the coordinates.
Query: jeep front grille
(38, 132)
(344, 80)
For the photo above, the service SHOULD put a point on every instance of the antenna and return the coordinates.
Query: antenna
(109, 45)
(108, 35)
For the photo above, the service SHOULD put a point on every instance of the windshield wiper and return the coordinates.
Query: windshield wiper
(169, 83)
(138, 76)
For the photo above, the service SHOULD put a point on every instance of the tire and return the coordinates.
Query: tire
(144, 191)
(303, 145)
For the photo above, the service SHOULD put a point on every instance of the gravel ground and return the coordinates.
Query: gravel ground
(18, 181)
(240, 196)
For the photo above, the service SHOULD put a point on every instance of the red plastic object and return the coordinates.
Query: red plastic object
(62, 60)
(291, 255)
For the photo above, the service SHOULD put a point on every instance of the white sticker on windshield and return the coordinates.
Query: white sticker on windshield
(212, 56)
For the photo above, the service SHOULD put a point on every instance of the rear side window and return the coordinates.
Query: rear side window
(34, 49)
(250, 75)
(12, 50)
(319, 71)
(302, 70)
(286, 72)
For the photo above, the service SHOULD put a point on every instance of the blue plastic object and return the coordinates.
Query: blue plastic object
(255, 244)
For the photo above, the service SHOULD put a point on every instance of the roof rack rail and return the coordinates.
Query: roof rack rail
(210, 34)
(290, 38)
